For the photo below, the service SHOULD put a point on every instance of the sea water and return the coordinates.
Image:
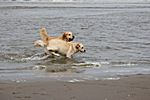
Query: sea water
(116, 37)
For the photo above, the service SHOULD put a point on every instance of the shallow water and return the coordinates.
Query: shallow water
(116, 36)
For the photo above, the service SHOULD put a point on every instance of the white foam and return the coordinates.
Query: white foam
(112, 78)
(91, 64)
(39, 67)
(88, 64)
(127, 64)
(105, 63)
(19, 80)
(75, 80)
(32, 58)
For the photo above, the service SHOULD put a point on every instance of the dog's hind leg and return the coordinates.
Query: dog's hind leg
(56, 54)
(53, 51)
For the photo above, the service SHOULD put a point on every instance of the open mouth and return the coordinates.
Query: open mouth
(71, 39)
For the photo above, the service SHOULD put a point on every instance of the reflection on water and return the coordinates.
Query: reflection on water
(116, 37)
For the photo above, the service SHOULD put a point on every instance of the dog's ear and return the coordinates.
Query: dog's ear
(46, 40)
(77, 46)
(64, 35)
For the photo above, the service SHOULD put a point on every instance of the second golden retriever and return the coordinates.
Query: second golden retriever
(59, 47)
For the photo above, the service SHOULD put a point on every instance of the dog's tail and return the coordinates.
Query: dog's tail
(44, 35)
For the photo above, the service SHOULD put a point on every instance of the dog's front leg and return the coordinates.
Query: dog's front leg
(69, 53)
(68, 56)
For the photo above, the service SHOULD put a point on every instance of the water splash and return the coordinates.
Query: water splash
(88, 64)
(35, 57)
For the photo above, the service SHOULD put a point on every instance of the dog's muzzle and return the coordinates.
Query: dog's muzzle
(83, 51)
(71, 39)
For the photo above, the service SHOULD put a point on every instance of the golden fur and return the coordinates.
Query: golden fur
(57, 46)
(64, 48)
(66, 36)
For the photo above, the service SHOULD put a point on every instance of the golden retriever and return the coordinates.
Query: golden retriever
(58, 46)
(66, 36)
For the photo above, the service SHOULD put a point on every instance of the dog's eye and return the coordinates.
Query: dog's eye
(69, 34)
(82, 48)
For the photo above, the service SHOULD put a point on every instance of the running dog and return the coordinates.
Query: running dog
(59, 47)
(66, 36)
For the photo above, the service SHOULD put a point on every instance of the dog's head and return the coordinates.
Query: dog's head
(68, 36)
(80, 47)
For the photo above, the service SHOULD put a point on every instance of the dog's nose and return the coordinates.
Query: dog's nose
(73, 37)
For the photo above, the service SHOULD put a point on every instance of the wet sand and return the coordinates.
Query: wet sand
(127, 88)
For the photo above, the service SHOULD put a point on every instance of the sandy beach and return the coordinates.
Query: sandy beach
(127, 88)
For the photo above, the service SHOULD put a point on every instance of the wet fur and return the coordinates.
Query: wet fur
(59, 47)
(66, 36)
(64, 48)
